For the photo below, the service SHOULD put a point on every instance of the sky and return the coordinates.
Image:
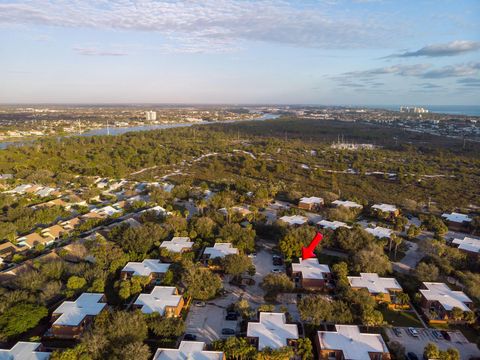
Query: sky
(324, 52)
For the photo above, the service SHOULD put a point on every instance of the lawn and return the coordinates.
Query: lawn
(401, 318)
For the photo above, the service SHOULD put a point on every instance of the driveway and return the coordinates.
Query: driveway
(417, 345)
(412, 257)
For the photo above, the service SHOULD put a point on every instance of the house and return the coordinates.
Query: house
(380, 232)
(347, 204)
(272, 331)
(72, 318)
(163, 299)
(310, 274)
(382, 289)
(7, 249)
(219, 250)
(310, 203)
(456, 221)
(153, 269)
(177, 244)
(241, 210)
(46, 191)
(23, 350)
(92, 215)
(53, 232)
(70, 225)
(346, 342)
(191, 350)
(294, 220)
(107, 211)
(333, 225)
(469, 245)
(20, 189)
(34, 239)
(390, 210)
(438, 301)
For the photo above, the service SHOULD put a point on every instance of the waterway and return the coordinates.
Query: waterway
(122, 130)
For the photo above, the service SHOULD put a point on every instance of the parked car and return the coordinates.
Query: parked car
(231, 317)
(437, 334)
(397, 331)
(190, 337)
(413, 332)
(227, 331)
(200, 303)
(446, 335)
(412, 356)
(276, 271)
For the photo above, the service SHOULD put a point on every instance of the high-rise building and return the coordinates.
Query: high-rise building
(150, 115)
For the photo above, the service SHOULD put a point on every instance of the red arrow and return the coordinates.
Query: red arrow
(307, 252)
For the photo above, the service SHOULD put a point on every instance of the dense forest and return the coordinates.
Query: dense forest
(409, 169)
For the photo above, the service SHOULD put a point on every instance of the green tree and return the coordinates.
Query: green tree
(304, 349)
(241, 238)
(20, 318)
(295, 238)
(170, 327)
(274, 284)
(431, 351)
(236, 264)
(200, 282)
(426, 272)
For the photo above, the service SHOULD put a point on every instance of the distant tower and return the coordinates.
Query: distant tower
(150, 115)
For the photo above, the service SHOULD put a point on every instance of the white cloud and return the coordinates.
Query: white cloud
(202, 23)
(89, 51)
(447, 49)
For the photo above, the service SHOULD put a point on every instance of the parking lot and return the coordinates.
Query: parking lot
(425, 336)
(207, 322)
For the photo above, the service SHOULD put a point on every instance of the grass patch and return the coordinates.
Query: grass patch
(328, 259)
(400, 318)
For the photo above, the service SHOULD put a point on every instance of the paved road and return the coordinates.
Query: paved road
(410, 260)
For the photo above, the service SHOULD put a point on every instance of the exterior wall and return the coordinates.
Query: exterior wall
(174, 311)
(455, 226)
(312, 283)
(325, 355)
(309, 206)
(70, 332)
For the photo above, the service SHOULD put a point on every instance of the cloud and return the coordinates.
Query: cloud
(458, 70)
(430, 86)
(447, 49)
(192, 24)
(403, 70)
(469, 82)
(96, 52)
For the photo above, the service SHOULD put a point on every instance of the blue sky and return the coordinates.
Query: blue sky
(237, 51)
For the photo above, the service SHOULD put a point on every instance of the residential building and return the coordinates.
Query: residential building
(163, 299)
(54, 232)
(191, 350)
(219, 250)
(381, 288)
(294, 220)
(310, 274)
(380, 232)
(469, 245)
(150, 115)
(152, 268)
(391, 210)
(332, 225)
(347, 204)
(70, 225)
(34, 239)
(23, 350)
(72, 318)
(177, 244)
(346, 342)
(438, 301)
(310, 203)
(7, 249)
(456, 221)
(272, 331)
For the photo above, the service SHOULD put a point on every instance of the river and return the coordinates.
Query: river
(123, 130)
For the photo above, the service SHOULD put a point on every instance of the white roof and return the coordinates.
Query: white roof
(272, 330)
(354, 344)
(177, 244)
(220, 250)
(332, 224)
(457, 217)
(158, 299)
(468, 244)
(107, 210)
(385, 207)
(380, 232)
(146, 267)
(310, 268)
(347, 204)
(73, 312)
(294, 219)
(23, 350)
(445, 296)
(311, 200)
(373, 283)
(188, 350)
